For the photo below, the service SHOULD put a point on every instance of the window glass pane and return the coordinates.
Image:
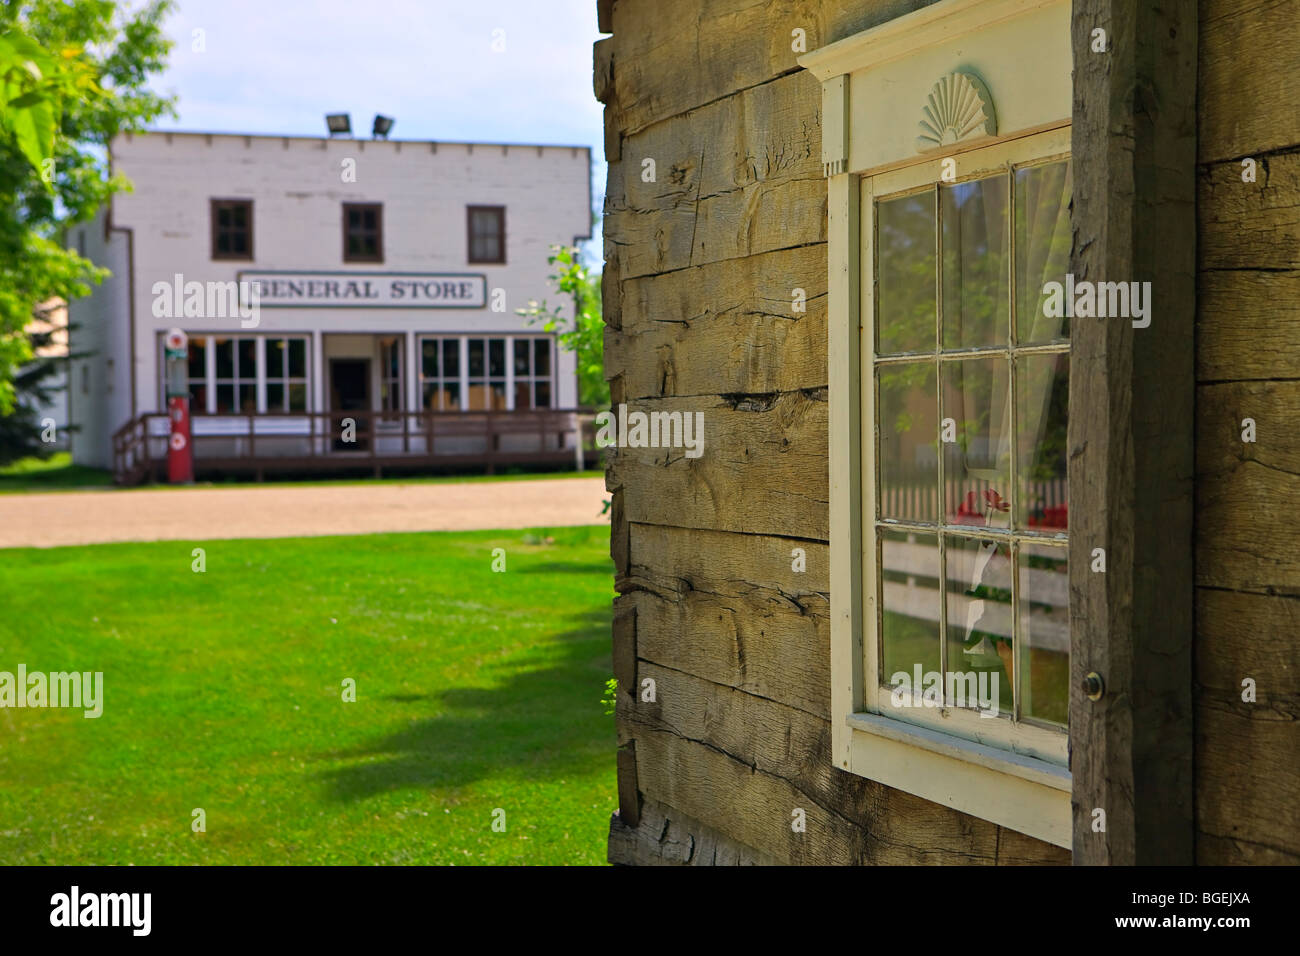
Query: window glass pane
(223, 217)
(274, 397)
(298, 397)
(543, 394)
(197, 360)
(979, 620)
(478, 398)
(521, 357)
(451, 397)
(1045, 633)
(908, 432)
(429, 358)
(225, 358)
(298, 358)
(541, 356)
(498, 396)
(496, 356)
(523, 398)
(905, 280)
(247, 398)
(430, 397)
(450, 358)
(909, 617)
(274, 358)
(225, 399)
(198, 399)
(1042, 400)
(248, 358)
(976, 302)
(976, 439)
(476, 358)
(1042, 248)
(238, 243)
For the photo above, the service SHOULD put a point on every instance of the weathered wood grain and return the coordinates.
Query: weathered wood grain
(1249, 225)
(734, 178)
(675, 55)
(728, 327)
(1247, 754)
(1246, 493)
(1247, 325)
(1131, 433)
(667, 837)
(1249, 58)
(775, 760)
(762, 469)
(728, 608)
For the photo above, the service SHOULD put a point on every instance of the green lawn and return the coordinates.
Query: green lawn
(58, 473)
(223, 691)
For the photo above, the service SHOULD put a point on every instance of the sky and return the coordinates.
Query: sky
(514, 71)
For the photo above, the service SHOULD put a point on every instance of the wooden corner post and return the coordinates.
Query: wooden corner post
(1131, 434)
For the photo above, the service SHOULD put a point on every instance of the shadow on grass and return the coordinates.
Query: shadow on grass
(546, 721)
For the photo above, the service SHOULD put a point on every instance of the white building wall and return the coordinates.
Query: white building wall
(297, 187)
(99, 387)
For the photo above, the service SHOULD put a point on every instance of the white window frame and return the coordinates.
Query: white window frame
(259, 380)
(873, 88)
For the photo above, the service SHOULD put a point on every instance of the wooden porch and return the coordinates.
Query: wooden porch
(263, 443)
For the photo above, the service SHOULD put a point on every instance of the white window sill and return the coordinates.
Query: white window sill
(1021, 793)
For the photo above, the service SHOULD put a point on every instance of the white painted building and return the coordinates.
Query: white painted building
(388, 278)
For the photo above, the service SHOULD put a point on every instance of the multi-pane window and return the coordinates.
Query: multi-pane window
(363, 232)
(532, 358)
(970, 381)
(286, 375)
(232, 228)
(390, 373)
(440, 375)
(236, 374)
(224, 372)
(487, 374)
(487, 234)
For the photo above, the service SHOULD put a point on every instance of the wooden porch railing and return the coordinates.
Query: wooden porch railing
(265, 442)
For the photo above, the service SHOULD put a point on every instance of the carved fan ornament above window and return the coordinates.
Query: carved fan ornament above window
(959, 107)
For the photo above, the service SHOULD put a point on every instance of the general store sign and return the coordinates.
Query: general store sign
(369, 290)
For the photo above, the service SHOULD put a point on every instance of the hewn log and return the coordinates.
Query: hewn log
(667, 837)
(735, 178)
(728, 327)
(1249, 58)
(1249, 225)
(1247, 325)
(675, 55)
(728, 608)
(762, 469)
(1247, 491)
(1131, 433)
(745, 764)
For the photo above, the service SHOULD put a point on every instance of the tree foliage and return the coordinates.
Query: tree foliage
(584, 335)
(73, 75)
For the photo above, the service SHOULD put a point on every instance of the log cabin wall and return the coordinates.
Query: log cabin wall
(700, 270)
(701, 264)
(1247, 755)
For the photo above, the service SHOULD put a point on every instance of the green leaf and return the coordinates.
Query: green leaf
(34, 130)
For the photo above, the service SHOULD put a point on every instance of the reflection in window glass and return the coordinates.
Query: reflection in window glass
(976, 298)
(1042, 248)
(979, 620)
(909, 580)
(1043, 394)
(976, 461)
(908, 433)
(1045, 633)
(905, 286)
